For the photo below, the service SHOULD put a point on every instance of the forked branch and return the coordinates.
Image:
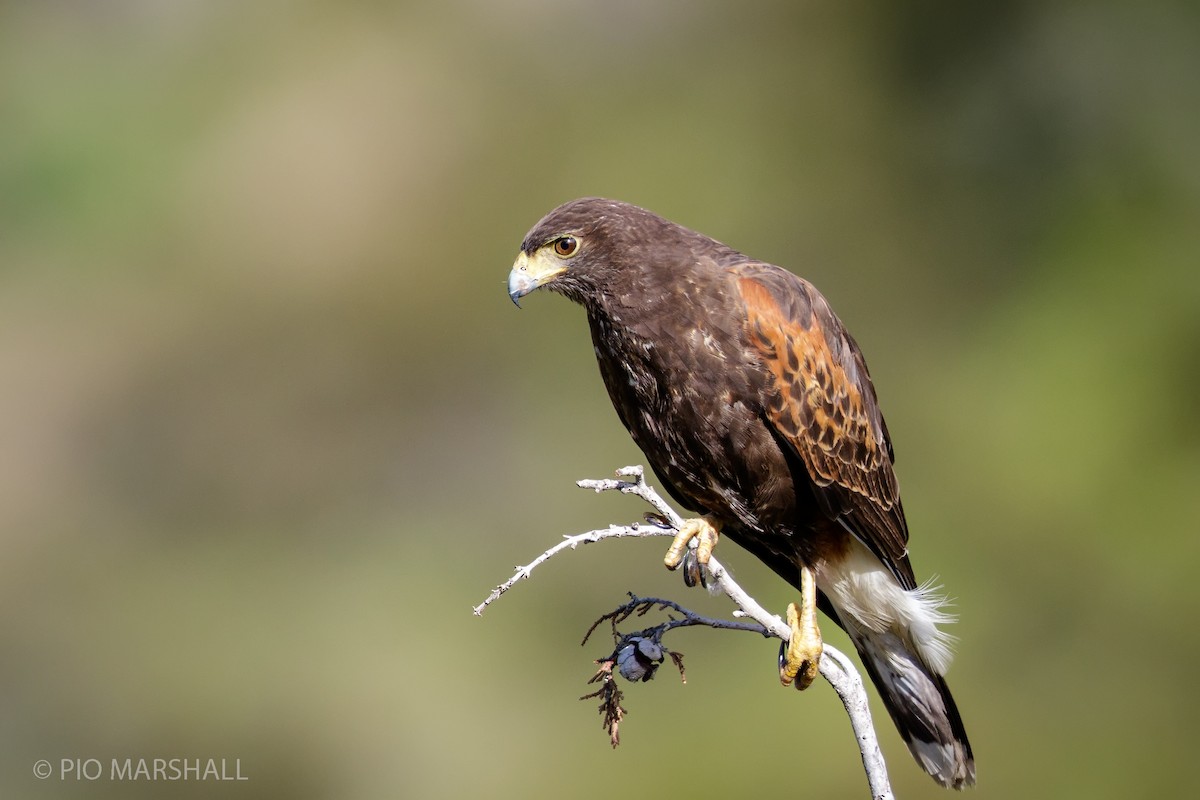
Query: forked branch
(835, 667)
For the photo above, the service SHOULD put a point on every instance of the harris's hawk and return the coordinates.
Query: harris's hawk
(754, 406)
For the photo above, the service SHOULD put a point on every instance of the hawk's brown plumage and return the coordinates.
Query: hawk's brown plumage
(754, 407)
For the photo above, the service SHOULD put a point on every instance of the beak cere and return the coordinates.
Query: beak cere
(528, 273)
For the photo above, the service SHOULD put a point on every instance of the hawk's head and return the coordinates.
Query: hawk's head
(590, 246)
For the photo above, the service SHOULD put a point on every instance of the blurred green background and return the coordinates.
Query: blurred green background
(270, 426)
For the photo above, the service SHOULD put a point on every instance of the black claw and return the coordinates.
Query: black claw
(693, 573)
(656, 519)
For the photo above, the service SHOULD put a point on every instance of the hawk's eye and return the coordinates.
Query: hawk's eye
(566, 246)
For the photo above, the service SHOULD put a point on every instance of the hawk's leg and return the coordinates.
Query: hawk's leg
(800, 660)
(704, 530)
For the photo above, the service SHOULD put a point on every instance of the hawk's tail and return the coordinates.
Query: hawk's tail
(920, 704)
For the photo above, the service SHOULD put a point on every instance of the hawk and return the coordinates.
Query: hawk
(754, 406)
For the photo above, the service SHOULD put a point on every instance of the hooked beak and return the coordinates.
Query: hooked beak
(528, 273)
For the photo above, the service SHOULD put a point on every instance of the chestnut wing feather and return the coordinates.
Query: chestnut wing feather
(821, 402)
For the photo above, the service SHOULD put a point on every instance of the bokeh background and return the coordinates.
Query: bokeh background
(270, 427)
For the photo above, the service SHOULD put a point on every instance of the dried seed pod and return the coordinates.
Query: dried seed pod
(628, 663)
(638, 659)
(651, 649)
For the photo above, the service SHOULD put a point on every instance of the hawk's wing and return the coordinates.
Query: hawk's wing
(821, 402)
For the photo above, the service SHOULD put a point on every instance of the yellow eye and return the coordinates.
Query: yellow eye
(566, 246)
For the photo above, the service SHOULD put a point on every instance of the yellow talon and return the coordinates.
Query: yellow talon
(704, 530)
(801, 659)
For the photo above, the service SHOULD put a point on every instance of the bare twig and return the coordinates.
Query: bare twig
(570, 543)
(638, 606)
(835, 667)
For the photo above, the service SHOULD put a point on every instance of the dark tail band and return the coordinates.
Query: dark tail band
(920, 704)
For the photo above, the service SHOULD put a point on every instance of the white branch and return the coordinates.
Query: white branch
(570, 543)
(835, 667)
